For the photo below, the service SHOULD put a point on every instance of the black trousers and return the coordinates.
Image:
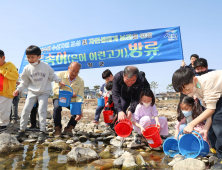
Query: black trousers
(33, 115)
(215, 131)
(57, 115)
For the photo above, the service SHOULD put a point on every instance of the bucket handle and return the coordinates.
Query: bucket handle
(158, 127)
(80, 97)
(67, 86)
(202, 146)
(119, 121)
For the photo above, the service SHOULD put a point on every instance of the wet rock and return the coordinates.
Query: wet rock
(176, 159)
(205, 160)
(118, 163)
(140, 161)
(50, 126)
(129, 162)
(190, 164)
(51, 134)
(30, 140)
(50, 130)
(92, 139)
(9, 144)
(213, 160)
(105, 154)
(103, 163)
(82, 155)
(82, 139)
(152, 163)
(59, 145)
(115, 142)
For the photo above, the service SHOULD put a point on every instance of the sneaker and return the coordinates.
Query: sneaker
(95, 122)
(217, 165)
(20, 134)
(42, 137)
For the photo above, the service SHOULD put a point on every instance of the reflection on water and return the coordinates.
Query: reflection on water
(39, 157)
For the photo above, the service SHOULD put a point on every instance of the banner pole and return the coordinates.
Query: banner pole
(181, 44)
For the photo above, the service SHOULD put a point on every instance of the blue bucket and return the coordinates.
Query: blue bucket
(191, 146)
(170, 147)
(101, 102)
(75, 107)
(65, 97)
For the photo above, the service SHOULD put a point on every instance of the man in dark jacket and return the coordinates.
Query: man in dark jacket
(127, 86)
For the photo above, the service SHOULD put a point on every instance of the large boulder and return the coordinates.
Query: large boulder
(189, 164)
(82, 155)
(9, 143)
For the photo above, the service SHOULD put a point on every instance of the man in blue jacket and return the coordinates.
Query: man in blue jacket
(127, 86)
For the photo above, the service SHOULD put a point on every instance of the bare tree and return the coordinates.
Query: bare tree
(170, 87)
(153, 86)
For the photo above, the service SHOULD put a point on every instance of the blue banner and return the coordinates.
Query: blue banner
(115, 49)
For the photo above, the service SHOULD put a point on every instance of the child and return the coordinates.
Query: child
(10, 75)
(208, 89)
(107, 76)
(37, 77)
(144, 112)
(188, 110)
(110, 105)
(201, 67)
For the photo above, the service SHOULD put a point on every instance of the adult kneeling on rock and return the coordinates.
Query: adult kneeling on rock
(127, 86)
(72, 79)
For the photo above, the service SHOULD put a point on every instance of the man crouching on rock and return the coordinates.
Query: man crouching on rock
(72, 79)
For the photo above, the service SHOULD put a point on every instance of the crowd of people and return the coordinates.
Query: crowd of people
(129, 97)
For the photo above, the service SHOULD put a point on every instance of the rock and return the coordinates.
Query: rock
(50, 130)
(118, 163)
(30, 140)
(69, 141)
(129, 162)
(50, 126)
(49, 116)
(115, 142)
(98, 131)
(81, 133)
(82, 139)
(51, 134)
(103, 163)
(59, 145)
(33, 135)
(9, 143)
(176, 159)
(90, 146)
(75, 139)
(108, 138)
(140, 161)
(100, 138)
(189, 164)
(213, 160)
(82, 155)
(205, 160)
(105, 154)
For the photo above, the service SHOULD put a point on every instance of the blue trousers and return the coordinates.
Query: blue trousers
(98, 112)
(215, 131)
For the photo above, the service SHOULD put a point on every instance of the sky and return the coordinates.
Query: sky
(41, 22)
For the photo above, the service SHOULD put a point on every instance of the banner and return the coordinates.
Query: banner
(115, 49)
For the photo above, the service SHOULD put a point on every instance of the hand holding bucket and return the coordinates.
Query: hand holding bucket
(65, 97)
